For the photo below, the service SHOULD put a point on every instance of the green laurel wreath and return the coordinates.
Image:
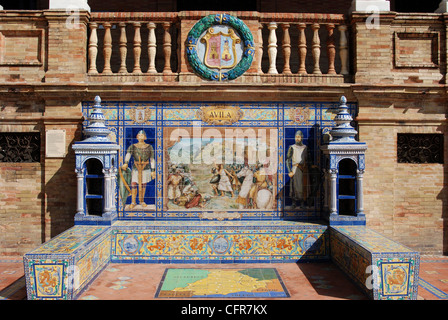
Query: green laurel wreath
(204, 24)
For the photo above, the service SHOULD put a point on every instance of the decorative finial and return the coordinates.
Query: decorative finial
(97, 131)
(343, 131)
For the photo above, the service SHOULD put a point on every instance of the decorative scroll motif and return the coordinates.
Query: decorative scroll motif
(396, 278)
(221, 47)
(263, 242)
(419, 148)
(220, 115)
(20, 147)
(220, 215)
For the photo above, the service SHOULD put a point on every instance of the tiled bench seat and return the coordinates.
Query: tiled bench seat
(63, 266)
(382, 268)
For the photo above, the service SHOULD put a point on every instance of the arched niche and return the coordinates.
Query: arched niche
(346, 187)
(94, 184)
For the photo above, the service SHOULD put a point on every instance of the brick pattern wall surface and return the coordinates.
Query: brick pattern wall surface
(405, 51)
(403, 201)
(20, 207)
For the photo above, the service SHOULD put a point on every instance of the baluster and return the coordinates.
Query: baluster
(343, 49)
(137, 48)
(152, 47)
(167, 47)
(107, 47)
(272, 48)
(93, 48)
(123, 47)
(259, 48)
(316, 48)
(286, 48)
(331, 49)
(302, 48)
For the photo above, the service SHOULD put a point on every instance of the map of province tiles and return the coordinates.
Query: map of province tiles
(222, 283)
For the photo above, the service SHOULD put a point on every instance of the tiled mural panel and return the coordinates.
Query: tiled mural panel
(196, 160)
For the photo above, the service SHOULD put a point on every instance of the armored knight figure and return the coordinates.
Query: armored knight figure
(143, 170)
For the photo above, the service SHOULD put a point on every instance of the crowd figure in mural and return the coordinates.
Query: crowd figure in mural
(182, 190)
(246, 185)
(249, 183)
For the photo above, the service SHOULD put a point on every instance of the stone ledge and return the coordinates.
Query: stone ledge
(187, 78)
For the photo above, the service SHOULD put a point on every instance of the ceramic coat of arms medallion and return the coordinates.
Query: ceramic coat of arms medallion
(140, 115)
(220, 47)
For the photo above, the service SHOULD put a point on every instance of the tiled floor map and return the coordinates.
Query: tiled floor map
(222, 283)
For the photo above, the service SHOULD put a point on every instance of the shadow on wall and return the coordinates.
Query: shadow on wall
(60, 192)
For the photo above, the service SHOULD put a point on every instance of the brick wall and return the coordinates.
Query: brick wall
(38, 200)
(405, 51)
(21, 207)
(406, 202)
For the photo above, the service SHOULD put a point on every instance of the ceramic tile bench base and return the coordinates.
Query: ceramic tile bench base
(382, 268)
(219, 242)
(64, 266)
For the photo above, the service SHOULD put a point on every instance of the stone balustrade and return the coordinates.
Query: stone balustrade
(126, 47)
(151, 45)
(123, 33)
(310, 31)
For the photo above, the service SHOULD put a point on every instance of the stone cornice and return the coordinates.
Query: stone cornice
(361, 17)
(229, 91)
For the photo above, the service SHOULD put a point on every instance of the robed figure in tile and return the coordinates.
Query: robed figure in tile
(297, 164)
